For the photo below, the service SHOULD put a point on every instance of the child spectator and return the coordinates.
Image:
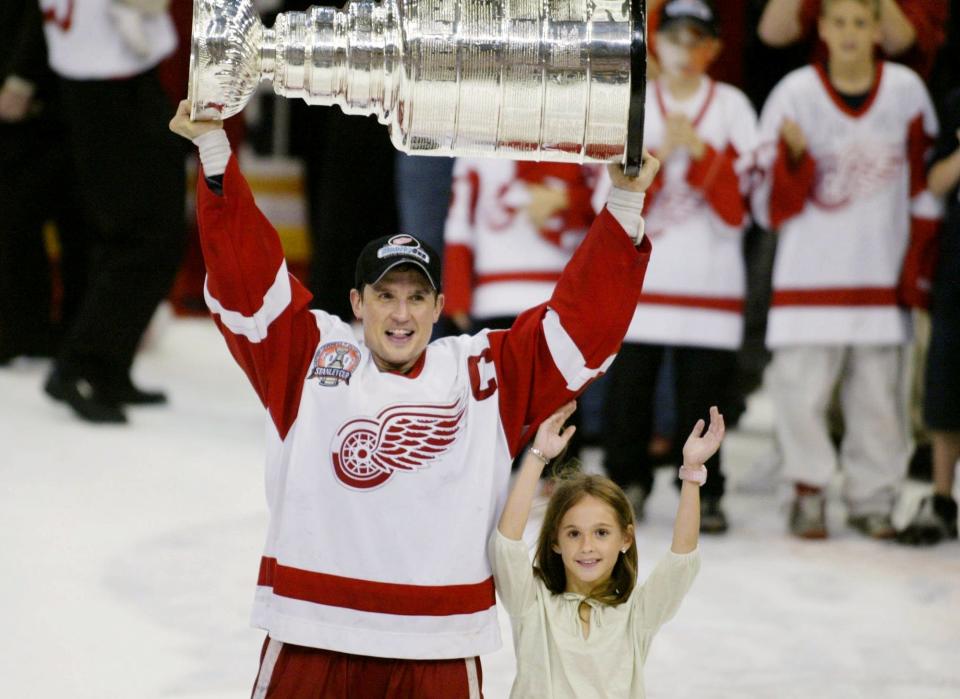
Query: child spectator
(704, 134)
(582, 626)
(842, 151)
(911, 31)
(510, 231)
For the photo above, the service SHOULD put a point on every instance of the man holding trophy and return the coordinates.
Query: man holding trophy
(388, 458)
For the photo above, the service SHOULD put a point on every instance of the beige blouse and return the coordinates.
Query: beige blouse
(554, 660)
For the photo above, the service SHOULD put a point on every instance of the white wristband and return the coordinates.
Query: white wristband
(214, 152)
(694, 475)
(627, 208)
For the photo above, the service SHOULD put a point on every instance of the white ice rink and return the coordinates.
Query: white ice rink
(130, 555)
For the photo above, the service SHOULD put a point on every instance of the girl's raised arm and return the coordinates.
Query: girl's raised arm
(550, 440)
(699, 447)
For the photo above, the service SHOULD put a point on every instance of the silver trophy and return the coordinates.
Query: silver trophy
(558, 80)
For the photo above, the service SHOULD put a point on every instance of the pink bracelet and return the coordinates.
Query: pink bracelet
(694, 475)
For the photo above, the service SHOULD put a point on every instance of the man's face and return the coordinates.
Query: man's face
(850, 30)
(398, 313)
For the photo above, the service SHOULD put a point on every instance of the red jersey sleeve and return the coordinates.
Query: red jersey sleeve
(791, 186)
(715, 175)
(260, 308)
(553, 351)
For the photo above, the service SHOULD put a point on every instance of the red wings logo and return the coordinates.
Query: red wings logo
(857, 172)
(367, 452)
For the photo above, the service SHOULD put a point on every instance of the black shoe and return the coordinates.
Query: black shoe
(936, 520)
(128, 394)
(83, 397)
(712, 518)
(921, 464)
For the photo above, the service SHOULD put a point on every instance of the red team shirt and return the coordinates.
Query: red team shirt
(383, 488)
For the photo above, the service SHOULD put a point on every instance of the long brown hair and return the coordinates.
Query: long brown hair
(571, 488)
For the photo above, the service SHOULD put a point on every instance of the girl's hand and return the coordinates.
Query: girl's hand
(551, 437)
(701, 446)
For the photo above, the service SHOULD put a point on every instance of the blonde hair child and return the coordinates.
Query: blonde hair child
(582, 627)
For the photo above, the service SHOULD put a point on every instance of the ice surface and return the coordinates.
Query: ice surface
(130, 555)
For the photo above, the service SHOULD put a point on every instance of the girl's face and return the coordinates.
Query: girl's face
(589, 540)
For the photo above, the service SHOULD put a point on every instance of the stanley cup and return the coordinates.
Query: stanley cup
(557, 80)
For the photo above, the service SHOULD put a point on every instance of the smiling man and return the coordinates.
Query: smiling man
(388, 459)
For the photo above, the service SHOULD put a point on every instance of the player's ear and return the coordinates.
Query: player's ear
(356, 303)
(438, 306)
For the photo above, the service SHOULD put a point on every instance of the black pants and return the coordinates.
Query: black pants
(350, 195)
(704, 377)
(36, 187)
(130, 170)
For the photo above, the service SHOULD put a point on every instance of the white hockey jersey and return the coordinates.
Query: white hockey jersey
(847, 212)
(84, 44)
(695, 215)
(383, 488)
(496, 262)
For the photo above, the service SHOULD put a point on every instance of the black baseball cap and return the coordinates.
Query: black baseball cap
(699, 13)
(383, 254)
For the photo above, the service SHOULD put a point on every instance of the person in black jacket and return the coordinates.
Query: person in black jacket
(34, 189)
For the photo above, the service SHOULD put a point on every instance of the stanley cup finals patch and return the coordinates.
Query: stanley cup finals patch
(334, 362)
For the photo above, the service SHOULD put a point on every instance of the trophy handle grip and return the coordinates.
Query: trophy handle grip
(633, 159)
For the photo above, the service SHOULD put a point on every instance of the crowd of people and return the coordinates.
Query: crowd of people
(809, 199)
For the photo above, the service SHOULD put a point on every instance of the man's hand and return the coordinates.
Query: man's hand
(15, 97)
(793, 137)
(182, 125)
(643, 180)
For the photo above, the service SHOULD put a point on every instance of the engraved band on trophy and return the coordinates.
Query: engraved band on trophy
(558, 80)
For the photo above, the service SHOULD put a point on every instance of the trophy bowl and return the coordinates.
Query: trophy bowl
(554, 80)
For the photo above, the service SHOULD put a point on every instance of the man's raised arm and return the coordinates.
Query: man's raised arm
(555, 350)
(260, 308)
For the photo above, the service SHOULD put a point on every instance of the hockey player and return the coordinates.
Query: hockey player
(842, 151)
(388, 458)
(704, 132)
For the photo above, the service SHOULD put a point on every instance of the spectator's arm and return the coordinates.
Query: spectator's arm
(714, 175)
(780, 24)
(920, 260)
(898, 33)
(945, 174)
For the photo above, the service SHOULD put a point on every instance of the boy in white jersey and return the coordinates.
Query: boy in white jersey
(842, 153)
(388, 459)
(704, 132)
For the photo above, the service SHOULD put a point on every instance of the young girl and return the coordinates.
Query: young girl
(582, 627)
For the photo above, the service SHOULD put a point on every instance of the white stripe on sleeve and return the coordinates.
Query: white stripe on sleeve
(566, 355)
(255, 327)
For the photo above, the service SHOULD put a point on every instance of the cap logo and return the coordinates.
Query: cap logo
(403, 245)
(687, 8)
